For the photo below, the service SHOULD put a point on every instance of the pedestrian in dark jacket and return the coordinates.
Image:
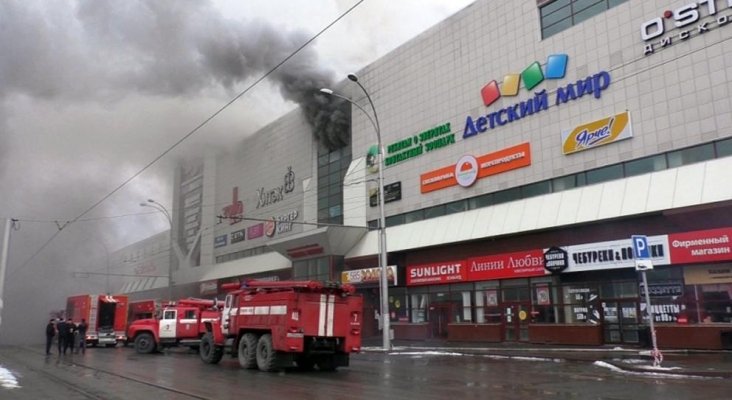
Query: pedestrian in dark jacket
(70, 330)
(50, 333)
(81, 328)
(61, 329)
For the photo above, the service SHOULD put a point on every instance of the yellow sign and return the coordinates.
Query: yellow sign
(708, 274)
(597, 133)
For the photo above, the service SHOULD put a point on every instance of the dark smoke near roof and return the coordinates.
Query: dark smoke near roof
(107, 49)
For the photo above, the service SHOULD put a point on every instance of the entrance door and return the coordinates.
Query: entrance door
(516, 322)
(621, 321)
(440, 315)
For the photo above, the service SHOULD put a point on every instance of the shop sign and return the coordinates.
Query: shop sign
(555, 260)
(708, 274)
(662, 289)
(392, 192)
(463, 172)
(272, 196)
(701, 246)
(369, 276)
(436, 273)
(556, 66)
(238, 236)
(614, 254)
(510, 265)
(255, 231)
(220, 241)
(683, 18)
(597, 133)
(424, 142)
(234, 212)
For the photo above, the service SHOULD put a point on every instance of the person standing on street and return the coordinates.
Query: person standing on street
(61, 329)
(71, 326)
(81, 328)
(50, 333)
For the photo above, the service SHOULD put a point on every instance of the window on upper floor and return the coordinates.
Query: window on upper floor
(559, 15)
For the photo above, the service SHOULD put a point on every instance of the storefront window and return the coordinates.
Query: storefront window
(398, 304)
(486, 303)
(419, 301)
(710, 303)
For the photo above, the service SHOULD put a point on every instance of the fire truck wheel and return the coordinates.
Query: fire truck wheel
(144, 343)
(209, 352)
(266, 356)
(248, 351)
(327, 363)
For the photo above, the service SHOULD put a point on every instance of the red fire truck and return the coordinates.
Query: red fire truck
(106, 316)
(272, 325)
(180, 323)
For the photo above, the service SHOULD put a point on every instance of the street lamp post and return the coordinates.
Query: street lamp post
(173, 248)
(383, 282)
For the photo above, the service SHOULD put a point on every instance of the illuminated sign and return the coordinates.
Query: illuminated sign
(424, 142)
(597, 133)
(533, 75)
(487, 165)
(682, 18)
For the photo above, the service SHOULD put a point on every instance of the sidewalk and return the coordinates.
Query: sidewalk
(690, 363)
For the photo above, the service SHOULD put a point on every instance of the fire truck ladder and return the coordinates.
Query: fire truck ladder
(93, 315)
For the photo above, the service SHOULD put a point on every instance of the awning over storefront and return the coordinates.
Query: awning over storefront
(329, 240)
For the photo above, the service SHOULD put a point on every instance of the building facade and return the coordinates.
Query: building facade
(525, 142)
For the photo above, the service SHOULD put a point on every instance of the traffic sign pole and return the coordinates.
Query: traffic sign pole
(642, 263)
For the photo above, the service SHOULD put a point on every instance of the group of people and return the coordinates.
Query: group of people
(69, 334)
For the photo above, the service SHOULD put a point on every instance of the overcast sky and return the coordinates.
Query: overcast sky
(93, 90)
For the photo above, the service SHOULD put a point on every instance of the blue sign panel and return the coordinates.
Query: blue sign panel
(640, 247)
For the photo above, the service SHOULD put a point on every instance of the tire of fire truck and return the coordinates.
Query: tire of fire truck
(209, 352)
(144, 343)
(266, 355)
(247, 352)
(326, 363)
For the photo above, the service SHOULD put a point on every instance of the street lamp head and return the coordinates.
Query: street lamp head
(353, 77)
(326, 91)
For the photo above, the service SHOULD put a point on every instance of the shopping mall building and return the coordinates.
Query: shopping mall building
(525, 143)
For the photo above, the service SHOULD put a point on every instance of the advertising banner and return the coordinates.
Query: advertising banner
(614, 254)
(510, 265)
(597, 133)
(369, 276)
(468, 168)
(701, 246)
(427, 274)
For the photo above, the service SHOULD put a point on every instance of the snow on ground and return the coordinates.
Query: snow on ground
(7, 379)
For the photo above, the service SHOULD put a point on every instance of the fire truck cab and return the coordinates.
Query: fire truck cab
(179, 324)
(273, 325)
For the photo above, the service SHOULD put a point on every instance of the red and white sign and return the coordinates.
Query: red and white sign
(464, 172)
(510, 265)
(701, 246)
(426, 274)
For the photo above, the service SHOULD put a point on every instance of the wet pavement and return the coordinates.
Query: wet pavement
(412, 370)
(628, 359)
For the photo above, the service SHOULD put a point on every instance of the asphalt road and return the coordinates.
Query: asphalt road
(120, 373)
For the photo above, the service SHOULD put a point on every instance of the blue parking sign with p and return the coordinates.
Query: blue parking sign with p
(640, 247)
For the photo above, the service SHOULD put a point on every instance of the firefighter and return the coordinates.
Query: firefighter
(50, 333)
(81, 329)
(61, 329)
(71, 330)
